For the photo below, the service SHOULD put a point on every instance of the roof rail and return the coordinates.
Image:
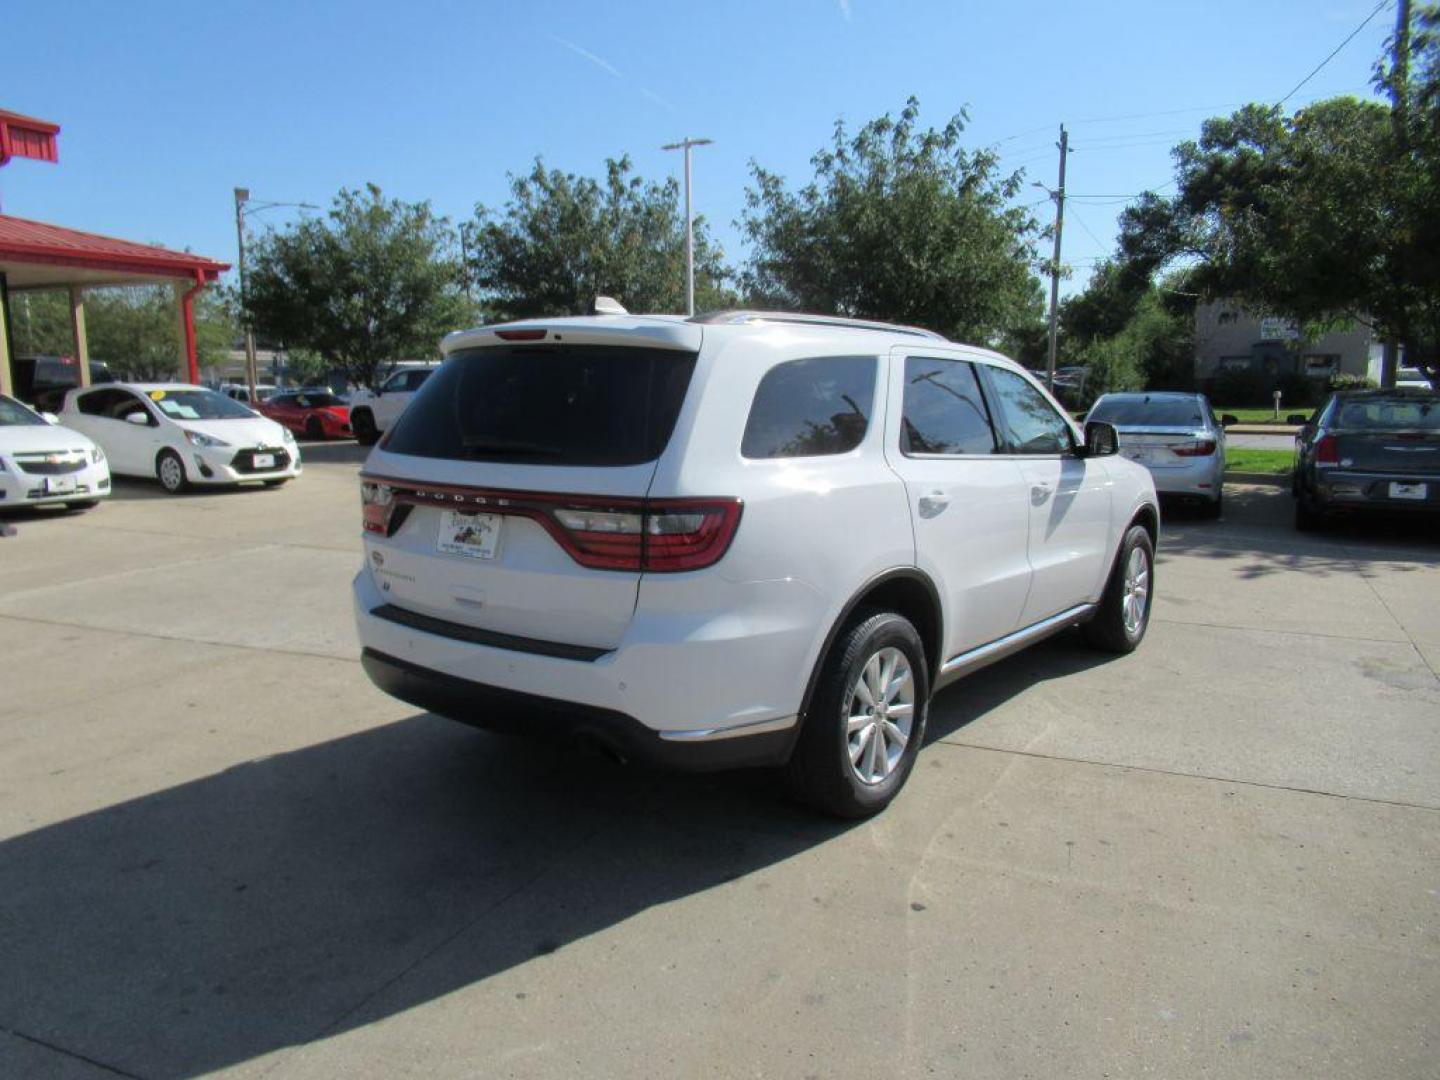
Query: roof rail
(732, 318)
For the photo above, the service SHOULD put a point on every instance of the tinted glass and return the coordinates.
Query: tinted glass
(548, 405)
(198, 405)
(315, 401)
(13, 414)
(416, 379)
(944, 411)
(102, 402)
(282, 399)
(1149, 411)
(1389, 414)
(807, 408)
(399, 381)
(1030, 423)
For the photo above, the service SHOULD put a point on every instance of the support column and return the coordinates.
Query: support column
(185, 321)
(77, 330)
(7, 381)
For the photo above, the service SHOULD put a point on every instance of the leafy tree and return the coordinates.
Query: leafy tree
(901, 224)
(373, 282)
(133, 329)
(561, 240)
(1330, 215)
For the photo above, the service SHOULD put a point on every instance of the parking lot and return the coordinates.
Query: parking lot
(222, 851)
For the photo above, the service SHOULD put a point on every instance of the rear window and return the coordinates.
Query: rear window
(547, 405)
(1390, 414)
(809, 408)
(1150, 412)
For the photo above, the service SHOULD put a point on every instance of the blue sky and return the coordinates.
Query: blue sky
(165, 108)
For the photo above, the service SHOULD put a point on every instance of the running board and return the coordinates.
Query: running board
(1010, 644)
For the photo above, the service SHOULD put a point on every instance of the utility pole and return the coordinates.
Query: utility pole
(242, 196)
(1059, 197)
(686, 144)
(243, 207)
(1399, 117)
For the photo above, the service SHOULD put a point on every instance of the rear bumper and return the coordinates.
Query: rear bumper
(1357, 491)
(1202, 478)
(494, 708)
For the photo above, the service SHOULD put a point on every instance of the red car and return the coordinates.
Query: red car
(315, 414)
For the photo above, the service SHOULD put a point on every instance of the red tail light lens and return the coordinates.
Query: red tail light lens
(1327, 451)
(376, 503)
(1198, 448)
(638, 535)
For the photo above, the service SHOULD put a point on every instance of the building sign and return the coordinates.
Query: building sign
(1273, 329)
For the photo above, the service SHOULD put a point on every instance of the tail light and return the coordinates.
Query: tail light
(1198, 448)
(377, 501)
(1327, 451)
(638, 535)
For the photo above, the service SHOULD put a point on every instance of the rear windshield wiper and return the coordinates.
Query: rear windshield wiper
(510, 446)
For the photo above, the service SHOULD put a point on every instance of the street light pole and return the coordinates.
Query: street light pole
(242, 196)
(242, 199)
(687, 144)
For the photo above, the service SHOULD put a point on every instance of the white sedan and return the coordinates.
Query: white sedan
(43, 463)
(182, 435)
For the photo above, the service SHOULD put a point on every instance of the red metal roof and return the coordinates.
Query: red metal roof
(27, 241)
(25, 136)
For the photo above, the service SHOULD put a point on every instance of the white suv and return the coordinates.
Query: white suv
(374, 412)
(740, 539)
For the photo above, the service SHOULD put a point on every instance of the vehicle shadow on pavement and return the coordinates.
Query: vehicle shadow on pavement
(974, 696)
(297, 896)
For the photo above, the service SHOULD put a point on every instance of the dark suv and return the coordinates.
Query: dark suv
(42, 381)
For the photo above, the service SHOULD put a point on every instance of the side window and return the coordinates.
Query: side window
(128, 404)
(944, 411)
(417, 379)
(806, 408)
(1029, 423)
(99, 402)
(396, 382)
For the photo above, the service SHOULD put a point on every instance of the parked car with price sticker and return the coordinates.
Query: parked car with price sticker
(1369, 451)
(42, 463)
(182, 435)
(738, 539)
(1176, 437)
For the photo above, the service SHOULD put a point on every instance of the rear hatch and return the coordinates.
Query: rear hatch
(1160, 431)
(508, 498)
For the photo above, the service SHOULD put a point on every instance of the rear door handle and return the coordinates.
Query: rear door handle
(933, 502)
(1040, 492)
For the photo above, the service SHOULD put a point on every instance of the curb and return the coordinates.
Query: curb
(1263, 429)
(1275, 479)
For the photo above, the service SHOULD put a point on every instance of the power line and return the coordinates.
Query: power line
(1353, 34)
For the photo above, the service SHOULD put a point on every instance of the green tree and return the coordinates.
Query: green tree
(373, 282)
(901, 224)
(1329, 216)
(561, 240)
(133, 329)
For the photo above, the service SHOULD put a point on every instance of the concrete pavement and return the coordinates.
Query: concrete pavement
(223, 853)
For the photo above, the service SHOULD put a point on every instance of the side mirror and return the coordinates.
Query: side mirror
(1297, 418)
(1101, 439)
(50, 418)
(137, 418)
(1227, 419)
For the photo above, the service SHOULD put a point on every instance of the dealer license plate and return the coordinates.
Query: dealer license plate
(474, 536)
(59, 485)
(1408, 491)
(264, 461)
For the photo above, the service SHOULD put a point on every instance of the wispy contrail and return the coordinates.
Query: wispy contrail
(600, 62)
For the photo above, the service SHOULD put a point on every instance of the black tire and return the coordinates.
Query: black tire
(1214, 508)
(1109, 629)
(1307, 517)
(822, 771)
(362, 422)
(170, 471)
(82, 504)
(314, 429)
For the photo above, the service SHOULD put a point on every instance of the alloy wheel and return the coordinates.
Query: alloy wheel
(881, 715)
